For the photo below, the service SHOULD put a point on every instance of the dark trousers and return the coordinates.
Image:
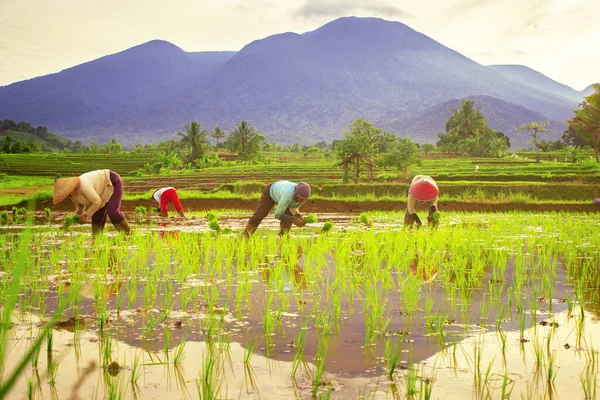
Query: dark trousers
(113, 206)
(265, 204)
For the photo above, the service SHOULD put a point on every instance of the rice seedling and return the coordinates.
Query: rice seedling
(393, 352)
(179, 353)
(327, 227)
(210, 377)
(310, 219)
(71, 220)
(214, 225)
(364, 219)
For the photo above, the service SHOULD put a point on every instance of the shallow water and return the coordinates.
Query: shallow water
(438, 337)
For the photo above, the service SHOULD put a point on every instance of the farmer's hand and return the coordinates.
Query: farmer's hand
(298, 221)
(181, 214)
(164, 214)
(83, 218)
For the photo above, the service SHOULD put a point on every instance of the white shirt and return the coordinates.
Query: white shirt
(159, 193)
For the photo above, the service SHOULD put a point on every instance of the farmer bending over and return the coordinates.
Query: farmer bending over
(288, 196)
(423, 191)
(165, 196)
(100, 191)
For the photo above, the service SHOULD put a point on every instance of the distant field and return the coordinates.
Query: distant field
(460, 179)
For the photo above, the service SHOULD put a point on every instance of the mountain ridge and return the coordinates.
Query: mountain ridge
(291, 87)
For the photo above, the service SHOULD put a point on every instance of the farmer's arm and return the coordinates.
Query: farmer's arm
(79, 208)
(87, 191)
(294, 211)
(283, 205)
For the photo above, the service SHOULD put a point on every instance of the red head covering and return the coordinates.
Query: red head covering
(424, 189)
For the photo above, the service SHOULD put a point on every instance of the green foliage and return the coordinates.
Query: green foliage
(245, 141)
(387, 177)
(211, 216)
(218, 133)
(214, 225)
(327, 227)
(140, 210)
(467, 132)
(112, 146)
(574, 153)
(534, 128)
(194, 139)
(310, 219)
(404, 153)
(25, 138)
(4, 217)
(364, 219)
(72, 219)
(360, 137)
(586, 122)
(48, 212)
(466, 121)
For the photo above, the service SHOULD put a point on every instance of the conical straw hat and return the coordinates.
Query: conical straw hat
(63, 188)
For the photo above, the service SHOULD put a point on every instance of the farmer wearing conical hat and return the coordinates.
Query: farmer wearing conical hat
(97, 194)
(165, 196)
(423, 192)
(288, 196)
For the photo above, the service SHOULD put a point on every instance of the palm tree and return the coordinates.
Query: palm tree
(218, 133)
(241, 139)
(194, 139)
(466, 121)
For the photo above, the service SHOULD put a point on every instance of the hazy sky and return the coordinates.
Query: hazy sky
(559, 38)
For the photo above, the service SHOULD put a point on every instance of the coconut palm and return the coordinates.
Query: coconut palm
(466, 121)
(218, 133)
(194, 139)
(245, 141)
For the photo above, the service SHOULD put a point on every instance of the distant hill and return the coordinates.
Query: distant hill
(587, 91)
(530, 77)
(502, 116)
(293, 88)
(47, 141)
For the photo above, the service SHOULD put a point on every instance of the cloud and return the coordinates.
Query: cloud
(342, 8)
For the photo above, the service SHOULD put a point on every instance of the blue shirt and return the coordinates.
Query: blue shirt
(282, 193)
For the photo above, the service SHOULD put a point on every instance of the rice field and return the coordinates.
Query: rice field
(484, 306)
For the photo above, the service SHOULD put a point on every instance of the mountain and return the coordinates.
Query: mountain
(587, 91)
(530, 77)
(293, 88)
(140, 76)
(502, 116)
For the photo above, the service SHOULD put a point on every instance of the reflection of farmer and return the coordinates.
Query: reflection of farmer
(288, 196)
(165, 196)
(100, 191)
(423, 191)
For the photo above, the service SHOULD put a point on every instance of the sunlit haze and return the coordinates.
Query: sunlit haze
(554, 37)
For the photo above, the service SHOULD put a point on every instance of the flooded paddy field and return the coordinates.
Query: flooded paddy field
(485, 306)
